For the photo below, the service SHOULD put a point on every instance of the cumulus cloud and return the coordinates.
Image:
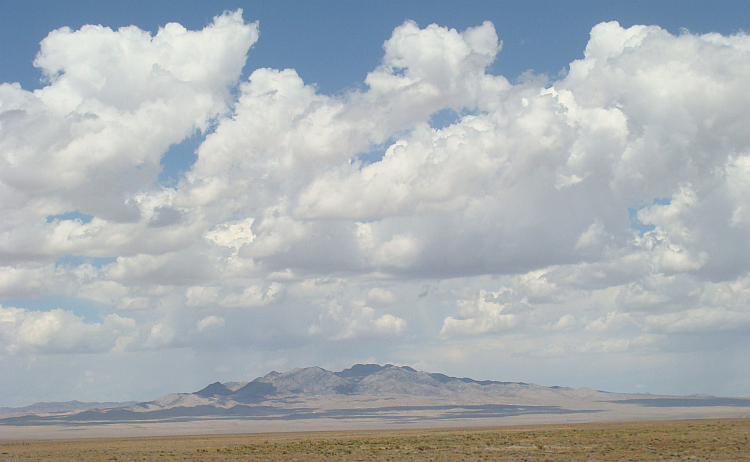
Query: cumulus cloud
(209, 322)
(357, 321)
(233, 235)
(91, 139)
(380, 296)
(535, 176)
(483, 315)
(610, 204)
(612, 321)
(250, 296)
(60, 331)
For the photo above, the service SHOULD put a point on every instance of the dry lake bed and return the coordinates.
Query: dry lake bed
(701, 440)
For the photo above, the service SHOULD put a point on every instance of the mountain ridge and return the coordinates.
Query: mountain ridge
(360, 379)
(398, 395)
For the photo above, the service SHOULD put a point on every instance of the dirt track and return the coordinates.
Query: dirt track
(708, 440)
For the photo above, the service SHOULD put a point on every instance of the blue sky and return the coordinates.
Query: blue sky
(545, 197)
(335, 43)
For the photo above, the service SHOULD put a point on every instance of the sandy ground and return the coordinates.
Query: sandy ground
(702, 440)
(209, 426)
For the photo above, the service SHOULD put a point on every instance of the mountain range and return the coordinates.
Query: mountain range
(388, 395)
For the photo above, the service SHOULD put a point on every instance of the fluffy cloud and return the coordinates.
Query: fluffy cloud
(606, 211)
(358, 321)
(483, 315)
(209, 322)
(59, 331)
(91, 140)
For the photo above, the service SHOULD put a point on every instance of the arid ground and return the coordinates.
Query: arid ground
(707, 440)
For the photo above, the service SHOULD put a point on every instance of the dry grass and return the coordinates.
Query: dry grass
(708, 440)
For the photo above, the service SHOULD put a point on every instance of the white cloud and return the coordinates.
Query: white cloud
(25, 280)
(233, 235)
(380, 296)
(482, 315)
(613, 321)
(424, 70)
(91, 140)
(253, 296)
(60, 331)
(591, 236)
(565, 322)
(699, 320)
(738, 170)
(357, 321)
(464, 191)
(210, 322)
(515, 221)
(161, 335)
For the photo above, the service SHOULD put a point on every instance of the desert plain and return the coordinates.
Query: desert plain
(696, 440)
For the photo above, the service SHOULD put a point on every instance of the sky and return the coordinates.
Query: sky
(550, 192)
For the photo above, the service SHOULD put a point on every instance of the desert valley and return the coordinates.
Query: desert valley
(363, 397)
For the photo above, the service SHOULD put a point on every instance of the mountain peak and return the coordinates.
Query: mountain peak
(215, 389)
(363, 370)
